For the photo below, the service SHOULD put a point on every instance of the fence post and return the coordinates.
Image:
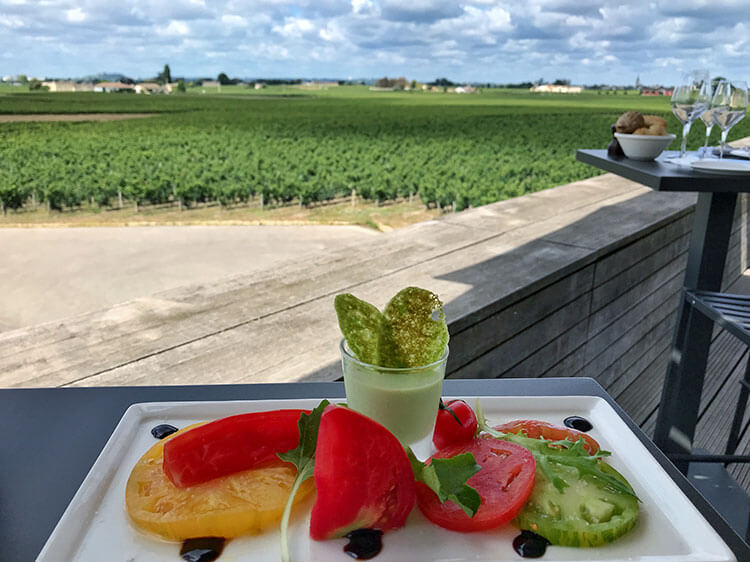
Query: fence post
(119, 197)
(354, 197)
(261, 200)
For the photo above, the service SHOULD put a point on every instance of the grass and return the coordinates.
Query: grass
(362, 213)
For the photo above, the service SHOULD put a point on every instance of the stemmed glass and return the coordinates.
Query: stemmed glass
(728, 107)
(708, 120)
(689, 100)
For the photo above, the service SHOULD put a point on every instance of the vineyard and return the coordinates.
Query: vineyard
(286, 145)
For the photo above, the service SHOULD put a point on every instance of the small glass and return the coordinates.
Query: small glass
(404, 400)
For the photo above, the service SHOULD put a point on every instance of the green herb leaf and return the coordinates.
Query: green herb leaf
(303, 457)
(448, 477)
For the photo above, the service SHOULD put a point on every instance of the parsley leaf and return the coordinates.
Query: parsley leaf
(447, 478)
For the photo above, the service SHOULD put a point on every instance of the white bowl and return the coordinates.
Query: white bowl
(643, 147)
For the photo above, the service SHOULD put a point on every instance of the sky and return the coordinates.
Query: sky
(584, 41)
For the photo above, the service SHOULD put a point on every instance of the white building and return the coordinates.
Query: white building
(556, 89)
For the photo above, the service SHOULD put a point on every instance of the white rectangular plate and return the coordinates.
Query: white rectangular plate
(95, 525)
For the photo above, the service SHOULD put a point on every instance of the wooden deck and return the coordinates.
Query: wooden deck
(726, 367)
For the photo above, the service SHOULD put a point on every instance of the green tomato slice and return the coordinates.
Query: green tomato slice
(585, 513)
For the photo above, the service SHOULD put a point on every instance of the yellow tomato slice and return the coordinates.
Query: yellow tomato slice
(243, 503)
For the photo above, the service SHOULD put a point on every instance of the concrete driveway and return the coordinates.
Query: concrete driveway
(51, 273)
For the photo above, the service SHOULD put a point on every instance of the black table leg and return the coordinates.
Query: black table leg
(681, 395)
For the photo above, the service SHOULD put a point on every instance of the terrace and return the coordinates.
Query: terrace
(579, 280)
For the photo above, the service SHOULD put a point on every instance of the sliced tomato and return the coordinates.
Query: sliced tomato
(247, 502)
(230, 445)
(362, 476)
(455, 422)
(585, 513)
(503, 483)
(537, 429)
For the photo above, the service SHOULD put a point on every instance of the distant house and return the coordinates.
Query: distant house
(150, 88)
(259, 85)
(113, 87)
(555, 89)
(211, 83)
(67, 86)
(659, 91)
(466, 90)
(318, 84)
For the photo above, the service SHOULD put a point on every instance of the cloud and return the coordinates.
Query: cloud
(295, 27)
(420, 11)
(174, 28)
(586, 41)
(76, 15)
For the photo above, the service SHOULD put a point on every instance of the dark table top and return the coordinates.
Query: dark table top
(663, 176)
(52, 436)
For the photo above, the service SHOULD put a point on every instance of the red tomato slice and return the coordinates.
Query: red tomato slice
(362, 476)
(229, 445)
(504, 484)
(455, 422)
(537, 429)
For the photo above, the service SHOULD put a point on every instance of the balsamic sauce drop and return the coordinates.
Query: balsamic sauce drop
(163, 430)
(530, 545)
(364, 543)
(579, 423)
(202, 549)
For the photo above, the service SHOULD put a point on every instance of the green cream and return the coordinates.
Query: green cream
(403, 400)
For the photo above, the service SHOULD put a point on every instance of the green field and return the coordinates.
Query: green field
(290, 144)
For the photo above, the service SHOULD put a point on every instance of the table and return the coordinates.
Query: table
(714, 214)
(51, 437)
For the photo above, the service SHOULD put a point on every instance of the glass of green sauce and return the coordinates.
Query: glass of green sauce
(405, 400)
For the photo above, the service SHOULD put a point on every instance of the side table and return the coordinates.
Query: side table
(714, 214)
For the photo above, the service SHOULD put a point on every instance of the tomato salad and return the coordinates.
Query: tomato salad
(544, 478)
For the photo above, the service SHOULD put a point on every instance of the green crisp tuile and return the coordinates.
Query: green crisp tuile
(362, 325)
(415, 329)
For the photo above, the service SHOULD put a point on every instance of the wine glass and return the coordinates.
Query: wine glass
(728, 107)
(708, 120)
(689, 100)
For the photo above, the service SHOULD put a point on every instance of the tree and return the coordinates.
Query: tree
(561, 82)
(181, 86)
(165, 76)
(443, 82)
(223, 79)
